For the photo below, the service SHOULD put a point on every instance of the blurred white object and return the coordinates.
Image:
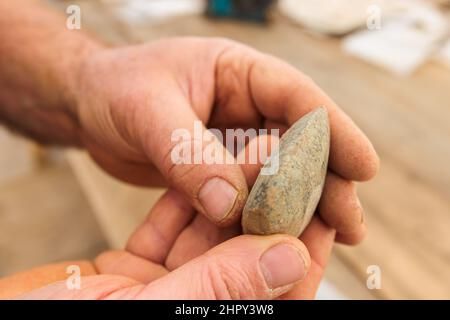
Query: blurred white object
(404, 41)
(328, 291)
(332, 16)
(445, 54)
(155, 11)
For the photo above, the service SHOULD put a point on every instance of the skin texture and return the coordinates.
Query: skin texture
(122, 104)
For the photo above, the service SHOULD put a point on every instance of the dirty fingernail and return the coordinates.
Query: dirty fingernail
(217, 197)
(282, 265)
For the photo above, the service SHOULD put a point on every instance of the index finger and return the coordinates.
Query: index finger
(282, 93)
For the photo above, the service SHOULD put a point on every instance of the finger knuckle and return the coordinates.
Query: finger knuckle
(230, 281)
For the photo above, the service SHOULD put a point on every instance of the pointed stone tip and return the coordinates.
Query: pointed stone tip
(322, 111)
(285, 202)
(319, 114)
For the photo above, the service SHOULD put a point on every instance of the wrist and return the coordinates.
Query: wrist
(39, 72)
(72, 75)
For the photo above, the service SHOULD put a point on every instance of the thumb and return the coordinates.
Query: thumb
(246, 267)
(195, 162)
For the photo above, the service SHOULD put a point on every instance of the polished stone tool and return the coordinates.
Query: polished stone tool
(285, 201)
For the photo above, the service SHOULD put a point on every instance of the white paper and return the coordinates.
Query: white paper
(327, 291)
(403, 42)
(156, 11)
(332, 16)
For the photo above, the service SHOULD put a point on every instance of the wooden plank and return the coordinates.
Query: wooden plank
(408, 237)
(119, 207)
(45, 218)
(17, 157)
(346, 281)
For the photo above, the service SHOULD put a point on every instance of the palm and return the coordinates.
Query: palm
(165, 85)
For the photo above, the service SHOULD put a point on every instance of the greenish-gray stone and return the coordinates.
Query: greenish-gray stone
(285, 201)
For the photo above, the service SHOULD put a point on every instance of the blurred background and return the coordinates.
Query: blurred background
(386, 63)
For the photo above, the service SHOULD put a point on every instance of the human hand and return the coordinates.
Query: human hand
(177, 253)
(245, 267)
(130, 100)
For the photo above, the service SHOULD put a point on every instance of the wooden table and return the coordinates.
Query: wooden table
(408, 120)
